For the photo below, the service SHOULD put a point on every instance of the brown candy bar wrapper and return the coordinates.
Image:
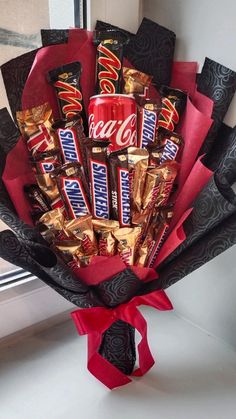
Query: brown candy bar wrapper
(147, 119)
(73, 189)
(106, 241)
(137, 165)
(135, 81)
(127, 241)
(36, 127)
(66, 81)
(109, 60)
(53, 219)
(82, 229)
(36, 198)
(69, 133)
(96, 152)
(119, 187)
(171, 144)
(173, 105)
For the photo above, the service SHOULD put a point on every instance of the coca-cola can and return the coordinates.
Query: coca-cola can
(113, 117)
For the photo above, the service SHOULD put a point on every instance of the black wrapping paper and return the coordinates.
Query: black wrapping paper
(212, 244)
(215, 203)
(14, 74)
(151, 50)
(219, 84)
(222, 156)
(54, 36)
(119, 336)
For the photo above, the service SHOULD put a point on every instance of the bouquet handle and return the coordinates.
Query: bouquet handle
(118, 346)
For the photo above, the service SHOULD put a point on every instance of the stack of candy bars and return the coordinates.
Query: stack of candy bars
(88, 200)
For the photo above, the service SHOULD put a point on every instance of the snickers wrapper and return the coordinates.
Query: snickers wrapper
(120, 188)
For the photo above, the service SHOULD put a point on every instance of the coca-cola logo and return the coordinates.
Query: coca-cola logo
(123, 130)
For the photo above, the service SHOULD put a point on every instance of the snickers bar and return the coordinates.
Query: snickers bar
(72, 188)
(120, 189)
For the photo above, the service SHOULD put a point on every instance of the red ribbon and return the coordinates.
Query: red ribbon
(95, 321)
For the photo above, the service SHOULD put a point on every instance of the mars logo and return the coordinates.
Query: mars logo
(112, 65)
(68, 145)
(71, 96)
(168, 116)
(74, 196)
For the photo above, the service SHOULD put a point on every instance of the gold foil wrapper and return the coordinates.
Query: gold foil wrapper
(127, 240)
(159, 184)
(48, 185)
(36, 127)
(137, 164)
(135, 81)
(53, 219)
(82, 229)
(106, 240)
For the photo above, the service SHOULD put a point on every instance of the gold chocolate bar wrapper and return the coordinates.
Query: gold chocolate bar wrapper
(48, 185)
(82, 229)
(127, 238)
(106, 240)
(135, 80)
(53, 219)
(137, 165)
(36, 127)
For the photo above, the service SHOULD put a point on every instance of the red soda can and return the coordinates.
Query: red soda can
(113, 117)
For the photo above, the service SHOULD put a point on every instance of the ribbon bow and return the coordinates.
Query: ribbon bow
(96, 320)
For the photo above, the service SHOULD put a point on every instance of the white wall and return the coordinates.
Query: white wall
(205, 28)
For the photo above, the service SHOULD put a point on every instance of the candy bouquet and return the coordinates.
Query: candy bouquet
(109, 183)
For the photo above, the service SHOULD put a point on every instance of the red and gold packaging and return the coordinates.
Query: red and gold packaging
(137, 166)
(82, 230)
(48, 185)
(53, 219)
(36, 127)
(159, 184)
(135, 81)
(106, 241)
(127, 241)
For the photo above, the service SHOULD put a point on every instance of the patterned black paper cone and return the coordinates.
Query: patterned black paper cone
(216, 202)
(223, 153)
(54, 36)
(219, 84)
(14, 74)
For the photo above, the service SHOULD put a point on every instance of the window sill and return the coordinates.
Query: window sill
(28, 302)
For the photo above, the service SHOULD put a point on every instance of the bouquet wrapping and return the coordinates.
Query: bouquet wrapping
(109, 288)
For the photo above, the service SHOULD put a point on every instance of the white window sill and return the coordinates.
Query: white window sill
(28, 302)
